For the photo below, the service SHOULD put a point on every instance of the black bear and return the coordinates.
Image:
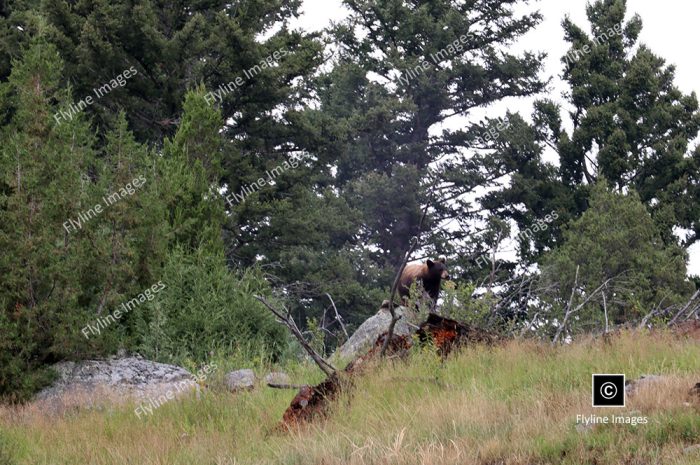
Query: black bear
(430, 274)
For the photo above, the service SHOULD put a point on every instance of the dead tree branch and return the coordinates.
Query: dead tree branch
(338, 318)
(286, 319)
(684, 308)
(286, 386)
(570, 311)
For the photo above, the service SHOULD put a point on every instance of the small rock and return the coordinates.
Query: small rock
(692, 449)
(239, 380)
(277, 377)
(633, 386)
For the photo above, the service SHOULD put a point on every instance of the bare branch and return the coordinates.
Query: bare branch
(685, 307)
(286, 319)
(338, 318)
(568, 309)
(286, 386)
(580, 306)
(605, 309)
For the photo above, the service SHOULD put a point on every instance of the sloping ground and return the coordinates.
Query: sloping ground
(444, 334)
(514, 403)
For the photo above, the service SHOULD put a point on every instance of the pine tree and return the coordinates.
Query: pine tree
(629, 123)
(172, 47)
(191, 175)
(129, 240)
(342, 220)
(616, 242)
(42, 164)
(404, 69)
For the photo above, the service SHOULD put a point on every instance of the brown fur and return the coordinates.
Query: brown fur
(429, 274)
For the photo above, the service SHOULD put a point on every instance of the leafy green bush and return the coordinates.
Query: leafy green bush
(205, 309)
(461, 304)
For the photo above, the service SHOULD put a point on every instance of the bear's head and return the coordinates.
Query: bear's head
(437, 270)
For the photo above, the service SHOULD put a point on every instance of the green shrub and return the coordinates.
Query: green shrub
(20, 375)
(206, 309)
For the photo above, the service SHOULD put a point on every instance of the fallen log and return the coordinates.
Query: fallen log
(313, 401)
(447, 334)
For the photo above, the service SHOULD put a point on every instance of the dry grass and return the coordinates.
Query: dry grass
(515, 405)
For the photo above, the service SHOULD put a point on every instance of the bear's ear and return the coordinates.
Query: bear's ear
(430, 263)
(442, 259)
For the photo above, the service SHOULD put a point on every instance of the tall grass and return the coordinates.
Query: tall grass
(514, 404)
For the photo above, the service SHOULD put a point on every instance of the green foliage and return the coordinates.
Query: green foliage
(632, 126)
(317, 336)
(460, 303)
(191, 173)
(86, 230)
(341, 222)
(615, 239)
(358, 148)
(207, 309)
(433, 60)
(172, 47)
(40, 188)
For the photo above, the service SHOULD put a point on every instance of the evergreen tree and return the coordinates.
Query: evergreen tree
(627, 122)
(41, 165)
(404, 69)
(129, 240)
(191, 176)
(171, 46)
(205, 307)
(614, 241)
(355, 203)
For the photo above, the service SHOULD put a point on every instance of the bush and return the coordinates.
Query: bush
(20, 374)
(206, 309)
(463, 305)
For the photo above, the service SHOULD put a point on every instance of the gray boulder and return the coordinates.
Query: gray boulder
(239, 380)
(277, 377)
(368, 332)
(92, 383)
(645, 380)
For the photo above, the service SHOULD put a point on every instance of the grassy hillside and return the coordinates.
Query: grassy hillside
(514, 404)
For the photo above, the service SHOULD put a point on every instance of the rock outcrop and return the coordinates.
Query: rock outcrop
(366, 335)
(93, 382)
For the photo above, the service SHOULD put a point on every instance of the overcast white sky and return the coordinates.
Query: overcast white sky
(670, 28)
